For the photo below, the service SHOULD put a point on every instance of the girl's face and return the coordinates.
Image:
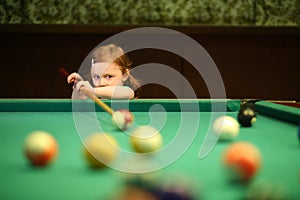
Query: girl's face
(106, 74)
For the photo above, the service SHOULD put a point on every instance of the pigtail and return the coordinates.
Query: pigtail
(134, 83)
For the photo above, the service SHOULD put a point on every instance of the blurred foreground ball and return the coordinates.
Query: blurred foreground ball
(100, 150)
(242, 160)
(40, 148)
(179, 186)
(263, 189)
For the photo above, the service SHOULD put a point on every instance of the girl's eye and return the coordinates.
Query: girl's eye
(108, 77)
(96, 77)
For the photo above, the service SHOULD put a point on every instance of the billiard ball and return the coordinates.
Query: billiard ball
(142, 182)
(266, 189)
(242, 160)
(248, 104)
(174, 194)
(40, 148)
(171, 189)
(100, 150)
(226, 127)
(132, 192)
(146, 139)
(279, 191)
(246, 117)
(259, 189)
(123, 119)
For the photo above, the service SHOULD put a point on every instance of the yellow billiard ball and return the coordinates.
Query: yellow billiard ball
(100, 149)
(146, 139)
(40, 148)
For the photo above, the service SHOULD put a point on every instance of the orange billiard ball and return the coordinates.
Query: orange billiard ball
(40, 148)
(243, 160)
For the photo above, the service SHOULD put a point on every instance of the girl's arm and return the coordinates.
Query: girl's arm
(114, 92)
(108, 92)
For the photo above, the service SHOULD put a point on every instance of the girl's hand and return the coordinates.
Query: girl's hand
(85, 84)
(74, 78)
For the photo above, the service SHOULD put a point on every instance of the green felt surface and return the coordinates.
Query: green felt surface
(70, 178)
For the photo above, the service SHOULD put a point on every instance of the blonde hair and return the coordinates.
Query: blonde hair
(115, 54)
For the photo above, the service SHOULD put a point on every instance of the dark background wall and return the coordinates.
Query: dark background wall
(254, 43)
(255, 62)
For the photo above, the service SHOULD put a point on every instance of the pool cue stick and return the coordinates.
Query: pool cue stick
(63, 72)
(90, 94)
(268, 100)
(100, 103)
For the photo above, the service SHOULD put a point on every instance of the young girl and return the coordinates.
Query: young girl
(110, 73)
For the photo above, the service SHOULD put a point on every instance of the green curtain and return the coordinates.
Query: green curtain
(152, 12)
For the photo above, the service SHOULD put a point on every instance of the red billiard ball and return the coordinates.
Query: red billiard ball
(242, 160)
(123, 119)
(40, 148)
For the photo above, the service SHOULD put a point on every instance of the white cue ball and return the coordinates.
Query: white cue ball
(226, 127)
(146, 139)
(123, 119)
(40, 148)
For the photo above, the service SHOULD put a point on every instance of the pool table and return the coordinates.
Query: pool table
(275, 133)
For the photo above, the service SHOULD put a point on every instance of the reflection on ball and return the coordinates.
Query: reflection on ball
(123, 119)
(226, 127)
(146, 139)
(100, 149)
(40, 147)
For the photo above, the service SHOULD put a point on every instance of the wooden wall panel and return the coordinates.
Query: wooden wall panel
(255, 62)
